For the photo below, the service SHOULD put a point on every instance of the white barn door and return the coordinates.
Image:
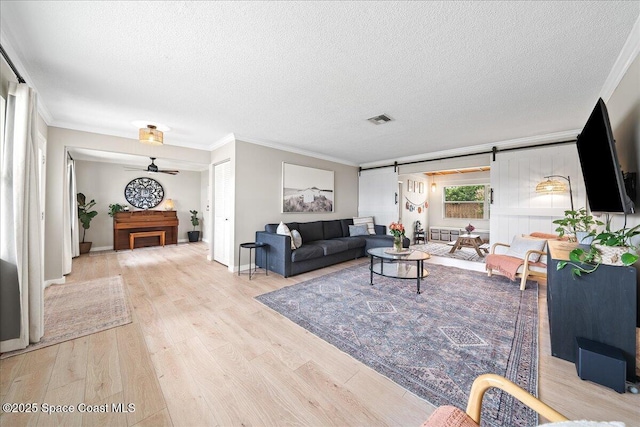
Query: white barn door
(378, 195)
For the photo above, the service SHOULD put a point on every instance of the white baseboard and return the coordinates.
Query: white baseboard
(60, 281)
(101, 248)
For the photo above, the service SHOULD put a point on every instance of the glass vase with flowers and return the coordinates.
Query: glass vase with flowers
(397, 229)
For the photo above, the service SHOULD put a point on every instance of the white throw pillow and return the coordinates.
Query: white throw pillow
(520, 246)
(297, 238)
(284, 230)
(365, 220)
(358, 230)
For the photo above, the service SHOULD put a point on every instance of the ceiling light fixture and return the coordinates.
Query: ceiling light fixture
(150, 135)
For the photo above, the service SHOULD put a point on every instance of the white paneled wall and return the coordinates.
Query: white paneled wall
(517, 208)
(377, 195)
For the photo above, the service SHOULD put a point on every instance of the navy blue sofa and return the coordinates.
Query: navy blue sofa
(324, 243)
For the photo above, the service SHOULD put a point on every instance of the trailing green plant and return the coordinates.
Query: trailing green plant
(575, 221)
(84, 214)
(582, 261)
(115, 208)
(194, 219)
(587, 261)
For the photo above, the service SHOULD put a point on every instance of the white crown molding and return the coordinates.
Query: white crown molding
(511, 143)
(15, 58)
(222, 141)
(290, 149)
(626, 57)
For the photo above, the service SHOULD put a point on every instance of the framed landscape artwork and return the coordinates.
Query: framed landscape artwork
(306, 189)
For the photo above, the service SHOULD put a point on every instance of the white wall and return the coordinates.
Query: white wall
(517, 208)
(256, 174)
(624, 113)
(105, 182)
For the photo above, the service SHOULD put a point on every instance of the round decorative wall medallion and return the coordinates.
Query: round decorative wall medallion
(144, 193)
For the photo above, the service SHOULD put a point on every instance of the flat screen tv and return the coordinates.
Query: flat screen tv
(600, 167)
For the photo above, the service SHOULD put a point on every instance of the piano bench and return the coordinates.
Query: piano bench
(159, 233)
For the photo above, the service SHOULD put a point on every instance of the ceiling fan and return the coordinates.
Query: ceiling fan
(153, 168)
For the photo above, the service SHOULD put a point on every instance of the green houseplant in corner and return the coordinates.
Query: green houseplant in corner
(194, 235)
(85, 215)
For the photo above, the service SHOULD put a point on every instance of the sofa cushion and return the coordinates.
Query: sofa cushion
(378, 241)
(307, 251)
(311, 231)
(272, 228)
(345, 223)
(365, 220)
(520, 246)
(358, 230)
(353, 242)
(333, 246)
(332, 229)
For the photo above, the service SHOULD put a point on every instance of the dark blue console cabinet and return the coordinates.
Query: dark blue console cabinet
(601, 306)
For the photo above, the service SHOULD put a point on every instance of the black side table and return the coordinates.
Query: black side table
(251, 246)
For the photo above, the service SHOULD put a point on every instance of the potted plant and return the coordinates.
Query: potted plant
(578, 223)
(115, 208)
(608, 247)
(85, 215)
(194, 235)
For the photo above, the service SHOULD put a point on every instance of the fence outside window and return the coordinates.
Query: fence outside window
(466, 201)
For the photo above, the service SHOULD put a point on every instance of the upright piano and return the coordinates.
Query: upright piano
(149, 220)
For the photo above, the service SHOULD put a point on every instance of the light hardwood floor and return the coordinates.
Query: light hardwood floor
(202, 352)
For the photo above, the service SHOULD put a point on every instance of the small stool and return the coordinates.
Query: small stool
(251, 246)
(418, 236)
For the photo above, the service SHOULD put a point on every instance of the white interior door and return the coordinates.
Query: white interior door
(222, 213)
(378, 195)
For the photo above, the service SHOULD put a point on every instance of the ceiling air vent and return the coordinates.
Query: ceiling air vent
(381, 119)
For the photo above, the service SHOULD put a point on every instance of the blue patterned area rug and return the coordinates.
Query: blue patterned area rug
(434, 344)
(443, 249)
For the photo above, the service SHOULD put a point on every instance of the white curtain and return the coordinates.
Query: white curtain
(20, 246)
(71, 234)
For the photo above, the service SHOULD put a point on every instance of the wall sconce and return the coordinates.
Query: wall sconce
(169, 205)
(553, 186)
(433, 187)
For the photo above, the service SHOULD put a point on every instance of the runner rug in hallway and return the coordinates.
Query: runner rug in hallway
(434, 344)
(78, 309)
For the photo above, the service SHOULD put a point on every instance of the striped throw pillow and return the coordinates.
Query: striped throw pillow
(368, 220)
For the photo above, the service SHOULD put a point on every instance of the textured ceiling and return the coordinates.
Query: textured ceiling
(307, 75)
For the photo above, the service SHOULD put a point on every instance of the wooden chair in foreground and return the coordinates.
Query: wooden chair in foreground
(525, 258)
(451, 416)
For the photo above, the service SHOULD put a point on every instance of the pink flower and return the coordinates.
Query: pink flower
(397, 229)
